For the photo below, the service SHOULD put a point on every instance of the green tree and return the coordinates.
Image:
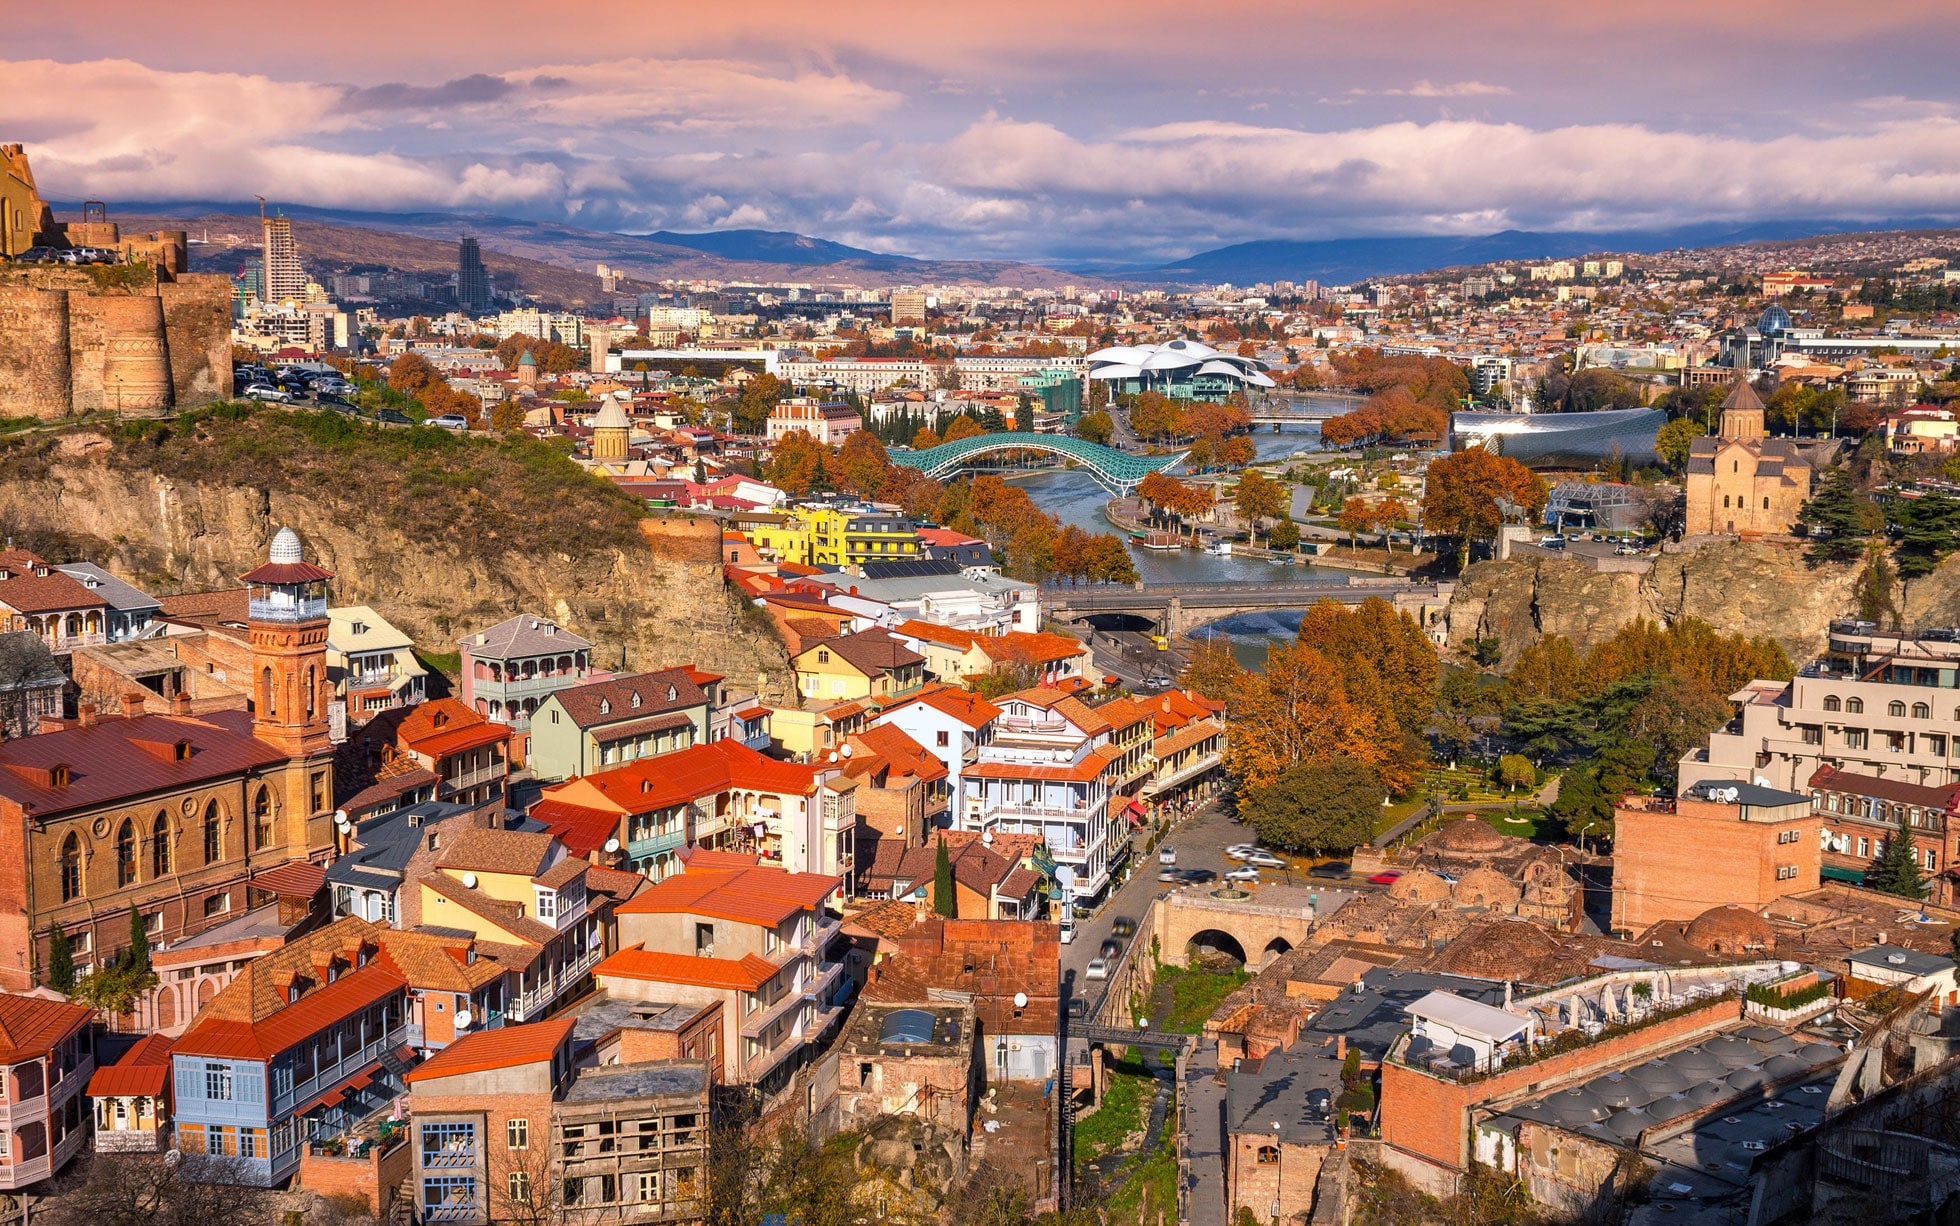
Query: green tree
(759, 396)
(1896, 870)
(61, 960)
(1317, 805)
(1515, 771)
(1675, 438)
(1259, 497)
(139, 941)
(944, 900)
(1095, 427)
(1846, 517)
(1285, 535)
(1929, 531)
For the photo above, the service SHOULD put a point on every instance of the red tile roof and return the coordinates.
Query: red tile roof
(649, 784)
(582, 830)
(963, 705)
(582, 703)
(765, 896)
(30, 1026)
(24, 591)
(636, 962)
(494, 1049)
(111, 762)
(293, 879)
(869, 651)
(949, 636)
(346, 996)
(143, 1070)
(287, 572)
(445, 726)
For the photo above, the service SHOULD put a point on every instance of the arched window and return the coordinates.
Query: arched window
(1831, 703)
(1765, 504)
(1855, 706)
(126, 854)
(268, 694)
(160, 846)
(1269, 1155)
(71, 868)
(1921, 711)
(213, 846)
(1725, 501)
(261, 820)
(1895, 708)
(312, 689)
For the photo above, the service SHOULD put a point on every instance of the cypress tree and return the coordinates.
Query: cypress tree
(944, 902)
(61, 960)
(139, 943)
(1896, 871)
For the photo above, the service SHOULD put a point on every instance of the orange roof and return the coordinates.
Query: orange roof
(315, 1011)
(948, 635)
(1086, 771)
(765, 896)
(905, 755)
(30, 1026)
(582, 830)
(662, 782)
(143, 1070)
(963, 705)
(636, 962)
(709, 857)
(456, 740)
(1040, 648)
(493, 1049)
(1123, 712)
(1069, 707)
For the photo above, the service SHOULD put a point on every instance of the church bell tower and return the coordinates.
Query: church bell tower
(287, 621)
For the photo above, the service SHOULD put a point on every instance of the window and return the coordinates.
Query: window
(547, 904)
(213, 848)
(443, 1143)
(1855, 738)
(520, 1187)
(160, 846)
(126, 853)
(319, 791)
(1765, 504)
(217, 904)
(448, 1192)
(217, 1082)
(261, 820)
(1921, 711)
(1895, 709)
(646, 1185)
(1932, 861)
(1895, 742)
(1855, 706)
(823, 657)
(1725, 501)
(1813, 734)
(1269, 1155)
(1864, 848)
(71, 868)
(517, 1134)
(1831, 703)
(942, 739)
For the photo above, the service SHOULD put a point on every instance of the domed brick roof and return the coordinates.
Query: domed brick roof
(1506, 949)
(1730, 930)
(1466, 836)
(1485, 887)
(1419, 885)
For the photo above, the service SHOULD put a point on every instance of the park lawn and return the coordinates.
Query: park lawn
(1398, 811)
(1122, 1112)
(1195, 996)
(1534, 819)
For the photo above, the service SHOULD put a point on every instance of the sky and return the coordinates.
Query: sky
(1061, 133)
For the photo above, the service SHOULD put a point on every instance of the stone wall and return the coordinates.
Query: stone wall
(64, 339)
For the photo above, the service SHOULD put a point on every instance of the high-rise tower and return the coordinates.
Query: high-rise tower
(284, 276)
(472, 279)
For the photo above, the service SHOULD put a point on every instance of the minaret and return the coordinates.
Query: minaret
(1742, 411)
(287, 620)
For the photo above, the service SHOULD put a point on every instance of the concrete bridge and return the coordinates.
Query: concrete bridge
(1181, 608)
(1251, 931)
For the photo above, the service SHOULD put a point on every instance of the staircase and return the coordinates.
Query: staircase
(401, 1211)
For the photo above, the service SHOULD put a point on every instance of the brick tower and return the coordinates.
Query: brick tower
(288, 624)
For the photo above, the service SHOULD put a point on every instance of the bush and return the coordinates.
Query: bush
(1770, 997)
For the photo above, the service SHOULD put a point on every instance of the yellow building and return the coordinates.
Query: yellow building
(23, 215)
(852, 537)
(789, 541)
(873, 664)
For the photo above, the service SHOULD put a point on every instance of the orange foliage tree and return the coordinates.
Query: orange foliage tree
(1462, 492)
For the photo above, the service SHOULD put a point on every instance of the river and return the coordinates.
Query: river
(1075, 498)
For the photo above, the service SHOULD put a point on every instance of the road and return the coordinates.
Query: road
(1133, 658)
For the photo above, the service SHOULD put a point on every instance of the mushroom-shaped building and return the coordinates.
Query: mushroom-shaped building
(1184, 370)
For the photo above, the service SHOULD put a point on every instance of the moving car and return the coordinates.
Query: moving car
(1078, 1008)
(1169, 876)
(1239, 851)
(1333, 870)
(1243, 874)
(1386, 877)
(1124, 927)
(1098, 968)
(1265, 859)
(1111, 948)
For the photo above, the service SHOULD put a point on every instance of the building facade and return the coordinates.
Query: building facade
(1742, 481)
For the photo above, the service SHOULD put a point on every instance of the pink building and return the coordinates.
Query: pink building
(47, 1055)
(828, 422)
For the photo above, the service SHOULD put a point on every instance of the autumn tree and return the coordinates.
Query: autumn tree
(861, 465)
(797, 464)
(1259, 497)
(758, 399)
(925, 439)
(1154, 415)
(1237, 452)
(1095, 427)
(1357, 516)
(1295, 709)
(1464, 491)
(1319, 806)
(962, 427)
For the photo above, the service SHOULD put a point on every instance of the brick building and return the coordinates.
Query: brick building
(1742, 481)
(1718, 843)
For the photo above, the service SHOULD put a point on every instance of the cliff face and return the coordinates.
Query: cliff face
(1746, 587)
(650, 598)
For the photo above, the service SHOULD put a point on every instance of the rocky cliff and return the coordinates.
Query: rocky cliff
(1748, 587)
(439, 558)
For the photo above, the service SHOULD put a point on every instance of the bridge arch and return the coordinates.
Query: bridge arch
(1274, 948)
(1215, 941)
(1116, 471)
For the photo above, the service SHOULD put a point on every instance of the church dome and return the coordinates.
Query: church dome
(286, 547)
(1774, 319)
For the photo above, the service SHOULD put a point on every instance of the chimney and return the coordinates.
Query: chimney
(132, 704)
(1340, 1047)
(180, 703)
(85, 714)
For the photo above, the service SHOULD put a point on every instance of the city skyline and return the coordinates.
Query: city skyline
(1092, 134)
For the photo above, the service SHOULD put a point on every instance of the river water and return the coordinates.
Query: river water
(1075, 498)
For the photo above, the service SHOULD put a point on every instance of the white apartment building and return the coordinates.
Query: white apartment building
(545, 325)
(1877, 704)
(1047, 771)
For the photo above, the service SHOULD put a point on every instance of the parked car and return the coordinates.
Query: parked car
(1098, 968)
(1265, 859)
(1627, 551)
(1167, 855)
(1386, 877)
(394, 417)
(1333, 870)
(268, 393)
(1078, 1008)
(1246, 873)
(1552, 542)
(39, 255)
(450, 421)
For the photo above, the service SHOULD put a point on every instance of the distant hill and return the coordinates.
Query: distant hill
(758, 256)
(1343, 260)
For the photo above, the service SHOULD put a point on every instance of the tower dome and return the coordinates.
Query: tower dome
(1774, 319)
(286, 547)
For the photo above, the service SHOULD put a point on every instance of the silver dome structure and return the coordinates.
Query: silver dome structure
(1181, 369)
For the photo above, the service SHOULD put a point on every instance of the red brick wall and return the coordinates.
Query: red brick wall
(1430, 1117)
(1674, 866)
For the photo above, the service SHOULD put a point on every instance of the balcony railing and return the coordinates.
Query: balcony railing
(528, 1004)
(481, 774)
(278, 608)
(538, 683)
(333, 1074)
(451, 1211)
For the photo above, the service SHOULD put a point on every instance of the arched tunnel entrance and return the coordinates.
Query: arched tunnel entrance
(1274, 948)
(1212, 948)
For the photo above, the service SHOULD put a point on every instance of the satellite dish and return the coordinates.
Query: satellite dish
(845, 751)
(469, 881)
(612, 845)
(340, 818)
(1065, 877)
(462, 1019)
(986, 838)
(1020, 1000)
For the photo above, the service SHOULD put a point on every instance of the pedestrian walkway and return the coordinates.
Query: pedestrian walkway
(1204, 1133)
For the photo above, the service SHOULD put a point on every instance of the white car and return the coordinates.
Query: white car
(1167, 856)
(1243, 874)
(1265, 859)
(450, 421)
(268, 393)
(1098, 968)
(1240, 851)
